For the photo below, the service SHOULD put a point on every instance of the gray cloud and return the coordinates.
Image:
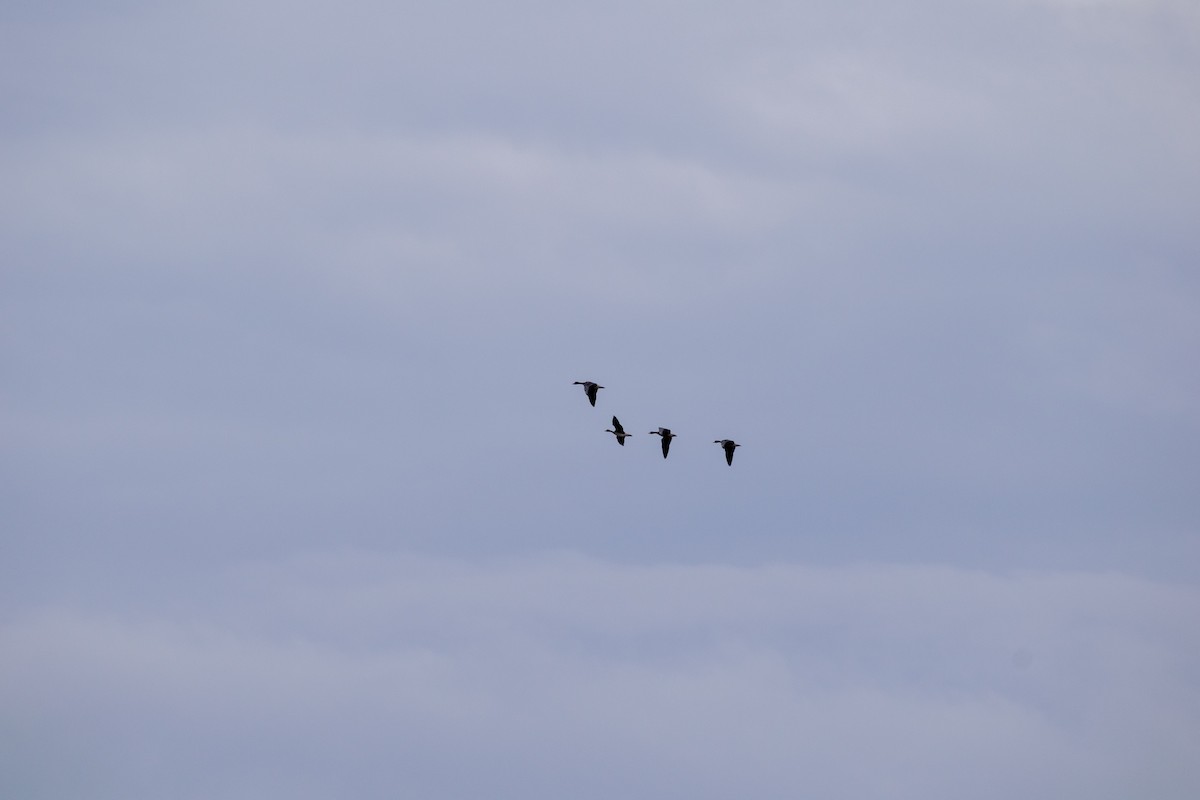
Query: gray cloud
(376, 674)
(286, 278)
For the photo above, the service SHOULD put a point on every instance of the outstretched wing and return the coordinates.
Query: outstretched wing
(728, 453)
(666, 443)
(591, 392)
(617, 427)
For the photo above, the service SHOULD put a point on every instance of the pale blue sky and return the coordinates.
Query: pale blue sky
(299, 499)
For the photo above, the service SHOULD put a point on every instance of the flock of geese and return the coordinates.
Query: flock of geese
(591, 389)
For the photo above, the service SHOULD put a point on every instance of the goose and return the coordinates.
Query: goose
(618, 432)
(728, 445)
(590, 388)
(667, 436)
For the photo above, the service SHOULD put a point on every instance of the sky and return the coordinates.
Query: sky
(298, 498)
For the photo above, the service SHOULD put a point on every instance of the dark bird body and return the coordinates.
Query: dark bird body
(618, 432)
(667, 436)
(590, 388)
(727, 445)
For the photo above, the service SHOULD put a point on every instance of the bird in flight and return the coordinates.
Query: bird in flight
(590, 389)
(618, 432)
(667, 436)
(727, 445)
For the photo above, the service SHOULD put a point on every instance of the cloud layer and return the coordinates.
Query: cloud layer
(383, 676)
(291, 301)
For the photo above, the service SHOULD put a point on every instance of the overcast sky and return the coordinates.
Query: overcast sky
(297, 498)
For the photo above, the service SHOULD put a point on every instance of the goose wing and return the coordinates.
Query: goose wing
(617, 429)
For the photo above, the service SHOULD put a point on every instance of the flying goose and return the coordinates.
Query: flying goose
(590, 389)
(728, 445)
(618, 432)
(667, 436)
